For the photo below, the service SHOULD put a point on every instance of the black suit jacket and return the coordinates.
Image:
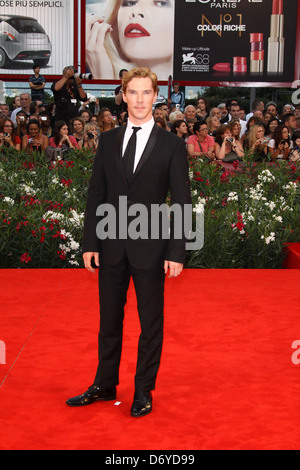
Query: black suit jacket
(163, 167)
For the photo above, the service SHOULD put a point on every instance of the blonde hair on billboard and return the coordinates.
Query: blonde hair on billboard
(112, 44)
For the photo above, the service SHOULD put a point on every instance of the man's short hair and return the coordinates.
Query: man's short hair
(287, 117)
(296, 135)
(234, 104)
(139, 72)
(121, 72)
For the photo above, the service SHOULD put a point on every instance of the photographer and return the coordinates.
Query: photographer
(227, 148)
(34, 141)
(90, 136)
(67, 92)
(8, 138)
(255, 144)
(280, 146)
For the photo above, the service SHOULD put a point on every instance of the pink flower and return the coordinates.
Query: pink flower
(25, 258)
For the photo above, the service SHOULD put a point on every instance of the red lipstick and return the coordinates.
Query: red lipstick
(135, 31)
(239, 64)
(276, 39)
(277, 7)
(222, 67)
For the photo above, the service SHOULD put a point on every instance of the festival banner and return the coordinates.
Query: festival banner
(236, 41)
(37, 32)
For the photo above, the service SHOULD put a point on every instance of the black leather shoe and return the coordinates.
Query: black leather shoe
(142, 403)
(94, 393)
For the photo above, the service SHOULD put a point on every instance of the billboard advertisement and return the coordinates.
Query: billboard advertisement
(37, 32)
(124, 34)
(236, 40)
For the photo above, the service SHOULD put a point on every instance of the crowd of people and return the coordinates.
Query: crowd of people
(225, 132)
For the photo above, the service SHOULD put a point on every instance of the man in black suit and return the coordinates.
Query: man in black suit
(159, 166)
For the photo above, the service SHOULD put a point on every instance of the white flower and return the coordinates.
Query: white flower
(271, 205)
(75, 218)
(266, 176)
(233, 197)
(199, 208)
(55, 180)
(28, 190)
(74, 262)
(9, 200)
(291, 186)
(50, 215)
(270, 239)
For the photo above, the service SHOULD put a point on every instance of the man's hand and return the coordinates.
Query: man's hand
(87, 258)
(175, 268)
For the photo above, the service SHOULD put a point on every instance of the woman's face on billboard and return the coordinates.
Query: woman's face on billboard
(146, 29)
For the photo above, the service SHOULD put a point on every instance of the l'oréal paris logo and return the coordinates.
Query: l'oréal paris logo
(222, 3)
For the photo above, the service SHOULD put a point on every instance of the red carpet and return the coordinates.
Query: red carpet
(227, 380)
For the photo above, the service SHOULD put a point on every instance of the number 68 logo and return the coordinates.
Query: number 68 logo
(202, 59)
(296, 94)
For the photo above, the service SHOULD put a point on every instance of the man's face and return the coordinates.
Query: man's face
(224, 111)
(292, 123)
(140, 97)
(24, 101)
(261, 106)
(235, 112)
(4, 108)
(190, 112)
(272, 109)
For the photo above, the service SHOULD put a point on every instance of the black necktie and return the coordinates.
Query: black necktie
(129, 155)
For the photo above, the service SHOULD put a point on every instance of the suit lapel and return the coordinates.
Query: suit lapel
(148, 149)
(119, 148)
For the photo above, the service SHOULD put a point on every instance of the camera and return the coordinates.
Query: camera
(30, 141)
(83, 76)
(283, 142)
(90, 135)
(5, 134)
(230, 139)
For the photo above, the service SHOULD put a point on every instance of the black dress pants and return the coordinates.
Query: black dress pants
(113, 286)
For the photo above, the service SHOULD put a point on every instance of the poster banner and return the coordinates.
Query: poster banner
(124, 34)
(235, 40)
(36, 32)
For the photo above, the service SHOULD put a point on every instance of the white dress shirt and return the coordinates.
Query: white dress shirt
(142, 137)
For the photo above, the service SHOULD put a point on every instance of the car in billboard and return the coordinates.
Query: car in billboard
(23, 38)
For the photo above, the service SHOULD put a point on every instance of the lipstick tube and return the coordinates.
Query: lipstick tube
(257, 53)
(240, 65)
(276, 40)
